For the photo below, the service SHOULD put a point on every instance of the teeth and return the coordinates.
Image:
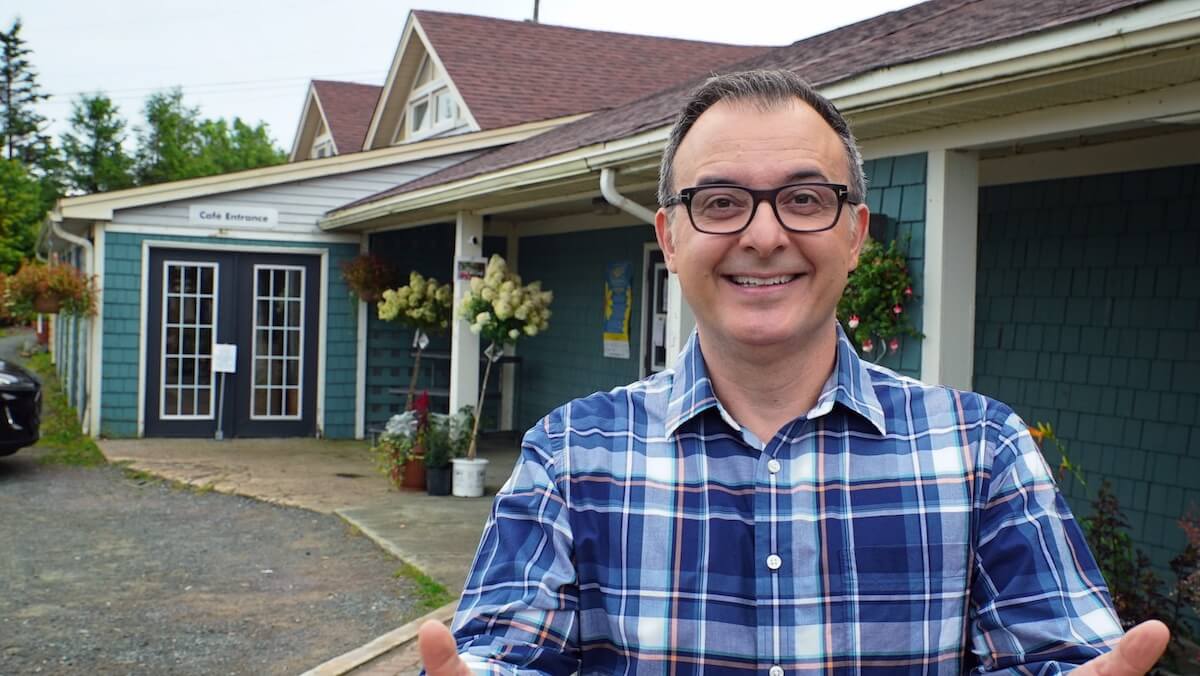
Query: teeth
(761, 281)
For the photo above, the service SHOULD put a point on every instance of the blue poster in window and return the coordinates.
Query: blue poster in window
(618, 306)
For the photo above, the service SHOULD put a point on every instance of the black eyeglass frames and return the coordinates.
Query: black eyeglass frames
(726, 209)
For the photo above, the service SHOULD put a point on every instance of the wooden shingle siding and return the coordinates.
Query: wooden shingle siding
(1088, 297)
(896, 189)
(568, 360)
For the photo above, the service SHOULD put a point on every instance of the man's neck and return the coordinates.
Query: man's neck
(766, 388)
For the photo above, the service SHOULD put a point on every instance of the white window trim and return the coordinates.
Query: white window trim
(254, 346)
(162, 351)
(427, 93)
(322, 141)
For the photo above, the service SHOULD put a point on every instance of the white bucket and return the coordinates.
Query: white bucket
(468, 477)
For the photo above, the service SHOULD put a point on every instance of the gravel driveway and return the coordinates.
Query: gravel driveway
(108, 574)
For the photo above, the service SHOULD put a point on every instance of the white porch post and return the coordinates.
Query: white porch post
(464, 345)
(680, 320)
(360, 363)
(951, 232)
(508, 371)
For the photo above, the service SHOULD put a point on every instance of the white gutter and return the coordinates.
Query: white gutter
(608, 188)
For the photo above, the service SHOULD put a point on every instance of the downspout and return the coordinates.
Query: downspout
(88, 252)
(608, 188)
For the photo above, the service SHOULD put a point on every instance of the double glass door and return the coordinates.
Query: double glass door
(263, 304)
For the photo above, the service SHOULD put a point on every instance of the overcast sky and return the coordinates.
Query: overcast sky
(254, 58)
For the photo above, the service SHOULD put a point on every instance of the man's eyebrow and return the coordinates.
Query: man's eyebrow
(795, 177)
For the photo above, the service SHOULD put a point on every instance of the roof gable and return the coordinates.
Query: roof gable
(506, 72)
(342, 108)
(922, 31)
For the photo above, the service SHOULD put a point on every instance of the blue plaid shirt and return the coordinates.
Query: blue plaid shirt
(895, 528)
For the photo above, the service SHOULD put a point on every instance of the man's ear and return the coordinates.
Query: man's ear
(663, 230)
(860, 221)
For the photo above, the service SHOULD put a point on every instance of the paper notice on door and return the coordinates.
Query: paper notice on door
(660, 330)
(224, 358)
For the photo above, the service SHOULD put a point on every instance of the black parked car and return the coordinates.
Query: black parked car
(20, 408)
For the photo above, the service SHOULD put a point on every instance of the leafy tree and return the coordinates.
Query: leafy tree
(20, 124)
(21, 210)
(176, 143)
(94, 158)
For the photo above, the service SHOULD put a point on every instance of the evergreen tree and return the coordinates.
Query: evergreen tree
(20, 123)
(21, 211)
(94, 158)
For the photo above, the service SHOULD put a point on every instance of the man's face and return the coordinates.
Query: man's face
(739, 144)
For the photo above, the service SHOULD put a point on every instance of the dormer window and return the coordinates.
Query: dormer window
(432, 107)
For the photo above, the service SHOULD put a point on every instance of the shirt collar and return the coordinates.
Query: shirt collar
(849, 384)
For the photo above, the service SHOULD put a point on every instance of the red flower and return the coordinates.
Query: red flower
(894, 344)
(868, 345)
(853, 323)
(896, 309)
(908, 291)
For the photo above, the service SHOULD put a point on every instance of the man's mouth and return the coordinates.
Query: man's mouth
(746, 281)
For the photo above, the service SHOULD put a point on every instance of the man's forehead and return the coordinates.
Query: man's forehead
(785, 133)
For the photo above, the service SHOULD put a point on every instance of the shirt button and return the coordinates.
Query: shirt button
(773, 466)
(776, 671)
(774, 563)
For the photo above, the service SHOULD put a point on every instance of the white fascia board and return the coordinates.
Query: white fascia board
(390, 82)
(309, 101)
(1043, 123)
(100, 206)
(431, 53)
(1130, 30)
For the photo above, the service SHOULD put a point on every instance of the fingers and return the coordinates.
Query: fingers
(439, 652)
(1134, 655)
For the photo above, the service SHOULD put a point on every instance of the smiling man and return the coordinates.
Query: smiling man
(772, 504)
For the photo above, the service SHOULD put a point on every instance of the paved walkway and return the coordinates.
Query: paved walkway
(439, 535)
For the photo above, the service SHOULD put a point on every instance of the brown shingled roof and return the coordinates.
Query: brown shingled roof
(348, 107)
(510, 72)
(921, 31)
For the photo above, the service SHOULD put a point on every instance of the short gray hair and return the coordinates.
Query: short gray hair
(766, 89)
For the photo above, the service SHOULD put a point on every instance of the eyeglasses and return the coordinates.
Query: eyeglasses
(728, 209)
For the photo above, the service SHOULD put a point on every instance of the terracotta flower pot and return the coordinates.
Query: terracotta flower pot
(414, 474)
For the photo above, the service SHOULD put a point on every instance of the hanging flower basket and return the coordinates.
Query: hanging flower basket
(39, 288)
(368, 276)
(873, 308)
(47, 304)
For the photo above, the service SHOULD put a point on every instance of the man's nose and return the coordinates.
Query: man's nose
(764, 234)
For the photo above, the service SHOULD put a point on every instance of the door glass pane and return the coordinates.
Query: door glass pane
(278, 341)
(189, 308)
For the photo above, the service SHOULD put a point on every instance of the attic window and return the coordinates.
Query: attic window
(432, 107)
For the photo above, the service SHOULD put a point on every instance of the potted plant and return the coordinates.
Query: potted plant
(368, 276)
(500, 310)
(872, 308)
(447, 438)
(399, 450)
(422, 304)
(39, 288)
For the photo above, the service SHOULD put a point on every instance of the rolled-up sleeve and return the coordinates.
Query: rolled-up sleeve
(519, 608)
(1039, 602)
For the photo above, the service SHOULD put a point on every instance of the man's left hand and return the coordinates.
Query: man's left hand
(1134, 655)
